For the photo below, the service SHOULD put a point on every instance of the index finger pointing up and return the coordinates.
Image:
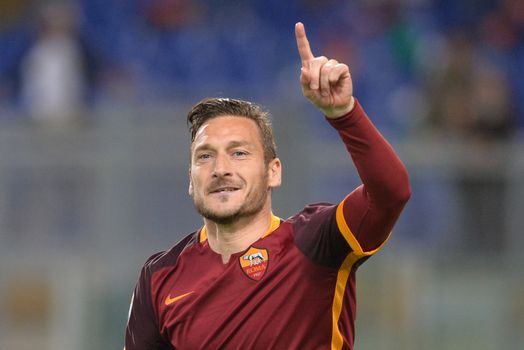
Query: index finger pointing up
(304, 50)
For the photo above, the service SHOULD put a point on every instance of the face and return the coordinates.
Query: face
(228, 177)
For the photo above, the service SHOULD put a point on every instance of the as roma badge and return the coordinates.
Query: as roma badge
(254, 263)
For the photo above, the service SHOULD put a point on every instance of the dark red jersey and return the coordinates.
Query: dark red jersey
(294, 288)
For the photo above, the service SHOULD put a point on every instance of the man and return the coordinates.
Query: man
(248, 279)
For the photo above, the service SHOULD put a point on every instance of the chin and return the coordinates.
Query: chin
(229, 212)
(219, 215)
(222, 218)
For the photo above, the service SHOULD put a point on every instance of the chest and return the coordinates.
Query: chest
(259, 293)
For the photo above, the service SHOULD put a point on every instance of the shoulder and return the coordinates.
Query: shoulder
(314, 221)
(314, 211)
(317, 235)
(169, 257)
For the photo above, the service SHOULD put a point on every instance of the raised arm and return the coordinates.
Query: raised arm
(371, 210)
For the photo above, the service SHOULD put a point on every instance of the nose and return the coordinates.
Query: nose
(222, 166)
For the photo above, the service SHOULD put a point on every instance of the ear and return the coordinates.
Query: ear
(190, 189)
(274, 173)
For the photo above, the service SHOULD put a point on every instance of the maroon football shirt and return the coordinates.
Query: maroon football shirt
(294, 288)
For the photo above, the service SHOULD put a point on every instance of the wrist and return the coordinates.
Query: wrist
(336, 113)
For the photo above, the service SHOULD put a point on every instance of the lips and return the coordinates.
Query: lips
(224, 189)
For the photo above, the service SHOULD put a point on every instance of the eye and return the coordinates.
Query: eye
(203, 156)
(240, 154)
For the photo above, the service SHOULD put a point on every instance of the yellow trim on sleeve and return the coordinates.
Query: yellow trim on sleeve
(349, 236)
(275, 223)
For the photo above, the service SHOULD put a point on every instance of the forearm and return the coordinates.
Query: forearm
(373, 208)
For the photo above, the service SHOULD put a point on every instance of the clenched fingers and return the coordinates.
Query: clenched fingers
(314, 68)
(325, 76)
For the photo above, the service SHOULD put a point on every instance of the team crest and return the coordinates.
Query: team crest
(254, 263)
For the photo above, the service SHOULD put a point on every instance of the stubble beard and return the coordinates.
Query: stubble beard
(251, 206)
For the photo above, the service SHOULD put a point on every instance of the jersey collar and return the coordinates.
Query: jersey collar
(275, 223)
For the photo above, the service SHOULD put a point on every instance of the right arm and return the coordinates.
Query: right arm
(142, 331)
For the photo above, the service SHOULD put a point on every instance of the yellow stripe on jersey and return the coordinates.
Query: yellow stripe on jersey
(343, 273)
(342, 279)
(349, 236)
(275, 223)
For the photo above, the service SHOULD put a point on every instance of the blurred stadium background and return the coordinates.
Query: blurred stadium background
(94, 153)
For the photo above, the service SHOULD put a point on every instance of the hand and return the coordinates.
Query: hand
(326, 83)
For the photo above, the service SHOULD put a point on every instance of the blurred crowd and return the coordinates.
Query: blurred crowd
(455, 67)
(443, 79)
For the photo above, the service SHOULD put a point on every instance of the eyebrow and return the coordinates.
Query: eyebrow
(234, 144)
(231, 144)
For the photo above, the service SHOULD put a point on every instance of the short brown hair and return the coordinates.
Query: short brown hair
(215, 107)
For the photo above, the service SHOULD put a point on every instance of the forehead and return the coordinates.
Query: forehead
(228, 128)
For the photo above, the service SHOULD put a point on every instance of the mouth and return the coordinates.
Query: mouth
(226, 189)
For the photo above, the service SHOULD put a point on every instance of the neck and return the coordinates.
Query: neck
(237, 236)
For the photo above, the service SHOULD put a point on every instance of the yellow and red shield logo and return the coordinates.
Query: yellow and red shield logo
(254, 263)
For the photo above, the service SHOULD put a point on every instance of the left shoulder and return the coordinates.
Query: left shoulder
(317, 235)
(321, 209)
